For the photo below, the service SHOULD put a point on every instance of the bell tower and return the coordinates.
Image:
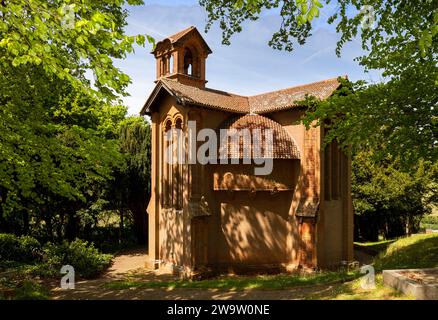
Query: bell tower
(182, 57)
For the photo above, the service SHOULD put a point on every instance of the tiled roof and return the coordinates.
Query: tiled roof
(175, 37)
(283, 146)
(259, 104)
(207, 97)
(179, 35)
(286, 98)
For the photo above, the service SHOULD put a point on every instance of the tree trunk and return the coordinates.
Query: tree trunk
(121, 225)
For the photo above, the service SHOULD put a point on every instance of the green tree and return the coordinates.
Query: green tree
(59, 143)
(399, 38)
(58, 147)
(389, 201)
(393, 118)
(129, 192)
(68, 38)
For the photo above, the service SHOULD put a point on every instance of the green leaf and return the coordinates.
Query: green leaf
(314, 12)
(317, 3)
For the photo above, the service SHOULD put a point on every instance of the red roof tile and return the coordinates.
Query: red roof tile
(180, 35)
(175, 37)
(260, 104)
(287, 98)
(207, 97)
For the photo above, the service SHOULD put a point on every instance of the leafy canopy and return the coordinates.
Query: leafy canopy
(55, 141)
(404, 30)
(399, 38)
(59, 146)
(68, 38)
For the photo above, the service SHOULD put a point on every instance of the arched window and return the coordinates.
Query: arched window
(171, 64)
(178, 166)
(188, 62)
(167, 168)
(333, 158)
(194, 176)
(173, 160)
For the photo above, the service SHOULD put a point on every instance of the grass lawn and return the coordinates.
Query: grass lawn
(373, 248)
(352, 290)
(416, 251)
(241, 282)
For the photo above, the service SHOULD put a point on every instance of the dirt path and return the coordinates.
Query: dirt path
(133, 263)
(130, 261)
(95, 290)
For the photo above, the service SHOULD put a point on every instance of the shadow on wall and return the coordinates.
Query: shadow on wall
(171, 229)
(256, 227)
(256, 230)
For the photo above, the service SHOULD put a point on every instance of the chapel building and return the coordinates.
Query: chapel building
(224, 217)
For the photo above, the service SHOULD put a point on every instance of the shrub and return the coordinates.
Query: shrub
(9, 245)
(84, 257)
(31, 249)
(24, 248)
(30, 290)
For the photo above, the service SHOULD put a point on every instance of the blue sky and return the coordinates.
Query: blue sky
(248, 66)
